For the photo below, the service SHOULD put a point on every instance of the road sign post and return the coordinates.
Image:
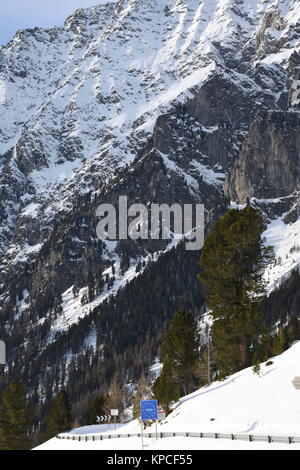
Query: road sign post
(114, 412)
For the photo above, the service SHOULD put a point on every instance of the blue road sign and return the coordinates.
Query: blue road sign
(149, 409)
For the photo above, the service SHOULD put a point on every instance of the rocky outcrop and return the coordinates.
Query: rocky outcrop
(269, 160)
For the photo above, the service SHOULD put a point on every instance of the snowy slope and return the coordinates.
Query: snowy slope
(244, 403)
(79, 101)
(83, 98)
(285, 240)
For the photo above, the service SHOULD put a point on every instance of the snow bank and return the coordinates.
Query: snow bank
(244, 403)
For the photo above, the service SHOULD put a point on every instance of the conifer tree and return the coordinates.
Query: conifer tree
(181, 347)
(262, 349)
(60, 416)
(279, 342)
(96, 407)
(256, 368)
(14, 418)
(232, 259)
(166, 388)
(293, 330)
(179, 354)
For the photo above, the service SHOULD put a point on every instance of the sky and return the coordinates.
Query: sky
(21, 14)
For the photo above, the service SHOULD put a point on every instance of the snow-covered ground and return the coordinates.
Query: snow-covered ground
(285, 240)
(244, 403)
(172, 443)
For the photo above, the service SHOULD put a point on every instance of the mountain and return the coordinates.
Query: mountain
(245, 403)
(162, 101)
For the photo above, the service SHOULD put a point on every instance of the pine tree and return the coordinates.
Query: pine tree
(279, 342)
(181, 344)
(180, 355)
(256, 368)
(60, 416)
(96, 407)
(232, 259)
(166, 388)
(14, 419)
(262, 349)
(293, 330)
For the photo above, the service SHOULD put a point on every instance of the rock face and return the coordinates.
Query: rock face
(268, 163)
(162, 101)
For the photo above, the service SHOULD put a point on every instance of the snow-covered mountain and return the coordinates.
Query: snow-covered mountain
(163, 101)
(245, 403)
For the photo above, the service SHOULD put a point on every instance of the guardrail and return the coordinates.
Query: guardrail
(201, 435)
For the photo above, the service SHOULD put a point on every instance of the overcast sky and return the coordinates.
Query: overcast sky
(21, 14)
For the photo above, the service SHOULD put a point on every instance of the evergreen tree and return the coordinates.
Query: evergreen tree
(96, 407)
(179, 354)
(60, 416)
(166, 388)
(232, 259)
(14, 419)
(262, 349)
(293, 330)
(256, 368)
(279, 342)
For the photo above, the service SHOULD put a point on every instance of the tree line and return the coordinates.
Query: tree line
(16, 416)
(233, 261)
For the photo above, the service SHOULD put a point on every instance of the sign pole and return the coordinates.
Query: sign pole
(142, 427)
(208, 360)
(114, 412)
(156, 429)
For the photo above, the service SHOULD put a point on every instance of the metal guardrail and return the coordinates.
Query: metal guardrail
(202, 435)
